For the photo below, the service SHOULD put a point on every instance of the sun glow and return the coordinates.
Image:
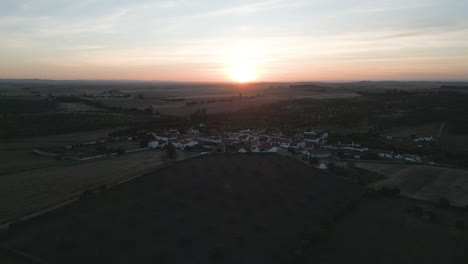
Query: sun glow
(242, 73)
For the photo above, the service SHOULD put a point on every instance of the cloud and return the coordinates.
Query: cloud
(84, 47)
(253, 8)
(54, 27)
(422, 31)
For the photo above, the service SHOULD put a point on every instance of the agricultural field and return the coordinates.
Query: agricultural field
(394, 229)
(42, 124)
(241, 208)
(16, 154)
(423, 130)
(78, 107)
(422, 182)
(216, 209)
(24, 192)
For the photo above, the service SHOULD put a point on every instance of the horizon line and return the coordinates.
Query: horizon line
(232, 82)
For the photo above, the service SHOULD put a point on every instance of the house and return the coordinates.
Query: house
(229, 141)
(311, 133)
(355, 149)
(212, 139)
(324, 136)
(242, 150)
(386, 155)
(412, 158)
(296, 144)
(311, 145)
(161, 138)
(255, 148)
(186, 143)
(282, 142)
(323, 166)
(274, 149)
(264, 146)
(424, 139)
(153, 144)
(243, 137)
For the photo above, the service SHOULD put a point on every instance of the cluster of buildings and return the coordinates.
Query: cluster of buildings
(305, 145)
(241, 141)
(310, 144)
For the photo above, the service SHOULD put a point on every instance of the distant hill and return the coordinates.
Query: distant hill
(310, 87)
(447, 87)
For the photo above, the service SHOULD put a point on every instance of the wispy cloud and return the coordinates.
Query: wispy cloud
(253, 8)
(48, 26)
(389, 7)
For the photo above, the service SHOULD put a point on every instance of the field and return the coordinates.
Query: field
(212, 209)
(241, 208)
(24, 192)
(417, 130)
(423, 182)
(77, 107)
(17, 155)
(390, 230)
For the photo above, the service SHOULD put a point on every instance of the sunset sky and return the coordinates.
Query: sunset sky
(213, 40)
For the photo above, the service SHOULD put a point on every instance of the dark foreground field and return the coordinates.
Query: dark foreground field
(240, 209)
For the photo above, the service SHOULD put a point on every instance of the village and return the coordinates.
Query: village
(309, 146)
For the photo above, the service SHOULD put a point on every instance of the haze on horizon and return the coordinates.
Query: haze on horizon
(208, 40)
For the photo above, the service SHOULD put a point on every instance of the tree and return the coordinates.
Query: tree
(444, 202)
(170, 150)
(120, 151)
(101, 148)
(199, 116)
(144, 143)
(148, 110)
(313, 160)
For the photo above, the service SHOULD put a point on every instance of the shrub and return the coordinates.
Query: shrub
(313, 160)
(444, 202)
(86, 192)
(120, 151)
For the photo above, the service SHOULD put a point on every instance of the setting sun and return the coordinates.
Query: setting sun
(242, 73)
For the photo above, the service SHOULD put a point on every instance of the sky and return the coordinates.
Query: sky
(213, 40)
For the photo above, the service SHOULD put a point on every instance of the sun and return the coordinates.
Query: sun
(242, 73)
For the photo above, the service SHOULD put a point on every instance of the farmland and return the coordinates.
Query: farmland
(242, 208)
(17, 154)
(394, 230)
(24, 192)
(216, 209)
(423, 182)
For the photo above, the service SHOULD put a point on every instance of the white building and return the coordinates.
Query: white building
(323, 166)
(153, 144)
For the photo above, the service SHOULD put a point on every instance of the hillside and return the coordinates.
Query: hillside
(213, 209)
(241, 208)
